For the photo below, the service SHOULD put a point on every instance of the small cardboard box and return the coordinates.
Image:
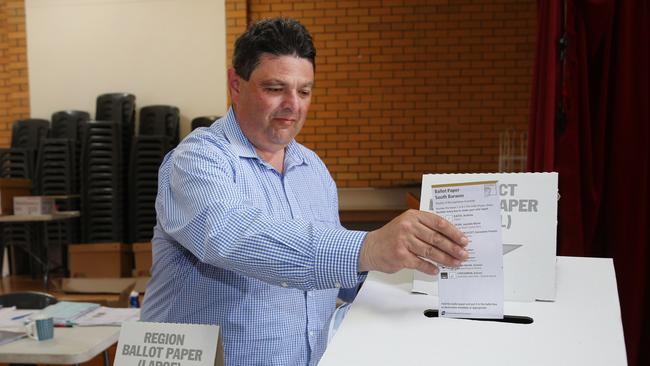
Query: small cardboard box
(100, 260)
(142, 256)
(33, 205)
(10, 187)
(119, 286)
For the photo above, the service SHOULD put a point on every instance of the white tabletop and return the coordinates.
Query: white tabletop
(386, 325)
(69, 346)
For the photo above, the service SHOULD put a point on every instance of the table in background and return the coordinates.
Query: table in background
(371, 208)
(69, 346)
(386, 325)
(41, 257)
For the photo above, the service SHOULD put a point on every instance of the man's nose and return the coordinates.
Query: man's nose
(290, 100)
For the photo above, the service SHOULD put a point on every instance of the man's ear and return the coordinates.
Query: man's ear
(233, 83)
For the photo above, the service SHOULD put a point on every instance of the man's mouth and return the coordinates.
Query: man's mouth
(285, 120)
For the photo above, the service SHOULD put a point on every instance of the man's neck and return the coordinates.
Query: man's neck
(275, 158)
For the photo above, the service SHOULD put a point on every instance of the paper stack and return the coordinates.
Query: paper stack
(67, 312)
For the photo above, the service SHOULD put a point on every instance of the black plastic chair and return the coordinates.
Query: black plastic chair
(27, 300)
(68, 124)
(160, 120)
(27, 133)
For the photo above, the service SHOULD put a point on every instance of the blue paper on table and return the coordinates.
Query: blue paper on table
(65, 312)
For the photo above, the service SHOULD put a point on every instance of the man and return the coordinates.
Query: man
(248, 234)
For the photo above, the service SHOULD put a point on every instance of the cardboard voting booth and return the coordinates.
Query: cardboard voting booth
(528, 227)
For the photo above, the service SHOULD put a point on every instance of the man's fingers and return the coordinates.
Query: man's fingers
(439, 241)
(423, 266)
(437, 223)
(423, 249)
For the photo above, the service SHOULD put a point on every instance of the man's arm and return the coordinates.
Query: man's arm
(200, 206)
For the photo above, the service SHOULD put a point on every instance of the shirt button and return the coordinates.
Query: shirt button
(284, 284)
(311, 333)
(310, 294)
(337, 285)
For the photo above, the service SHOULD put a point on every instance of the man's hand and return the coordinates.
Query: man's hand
(413, 234)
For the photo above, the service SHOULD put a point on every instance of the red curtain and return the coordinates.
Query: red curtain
(590, 117)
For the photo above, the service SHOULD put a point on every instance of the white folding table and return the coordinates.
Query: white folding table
(68, 347)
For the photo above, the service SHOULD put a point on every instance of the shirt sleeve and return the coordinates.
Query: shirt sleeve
(199, 208)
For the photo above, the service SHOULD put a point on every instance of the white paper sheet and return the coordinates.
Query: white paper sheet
(12, 318)
(475, 289)
(108, 316)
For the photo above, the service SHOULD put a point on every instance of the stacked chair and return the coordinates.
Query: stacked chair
(27, 133)
(68, 125)
(158, 133)
(18, 161)
(160, 120)
(102, 194)
(104, 161)
(58, 175)
(146, 156)
(90, 165)
(119, 107)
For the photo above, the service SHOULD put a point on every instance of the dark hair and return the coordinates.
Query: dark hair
(277, 36)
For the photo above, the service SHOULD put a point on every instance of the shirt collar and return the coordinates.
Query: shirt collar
(244, 148)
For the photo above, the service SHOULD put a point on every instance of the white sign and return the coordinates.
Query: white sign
(528, 204)
(166, 344)
(475, 288)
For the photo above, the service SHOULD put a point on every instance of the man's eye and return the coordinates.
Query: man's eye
(273, 90)
(305, 92)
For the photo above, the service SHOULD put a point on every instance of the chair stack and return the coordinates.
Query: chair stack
(146, 155)
(57, 171)
(16, 163)
(27, 133)
(68, 125)
(159, 132)
(102, 177)
(117, 107)
(19, 162)
(57, 176)
(160, 120)
(22, 234)
(203, 121)
(120, 108)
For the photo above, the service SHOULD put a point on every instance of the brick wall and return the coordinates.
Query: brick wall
(409, 86)
(402, 87)
(14, 87)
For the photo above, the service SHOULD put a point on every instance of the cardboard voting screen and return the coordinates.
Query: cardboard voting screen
(528, 227)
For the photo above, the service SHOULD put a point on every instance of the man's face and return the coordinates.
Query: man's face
(272, 105)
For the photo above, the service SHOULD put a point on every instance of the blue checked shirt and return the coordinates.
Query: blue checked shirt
(259, 253)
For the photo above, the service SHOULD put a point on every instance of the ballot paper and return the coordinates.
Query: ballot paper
(474, 289)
